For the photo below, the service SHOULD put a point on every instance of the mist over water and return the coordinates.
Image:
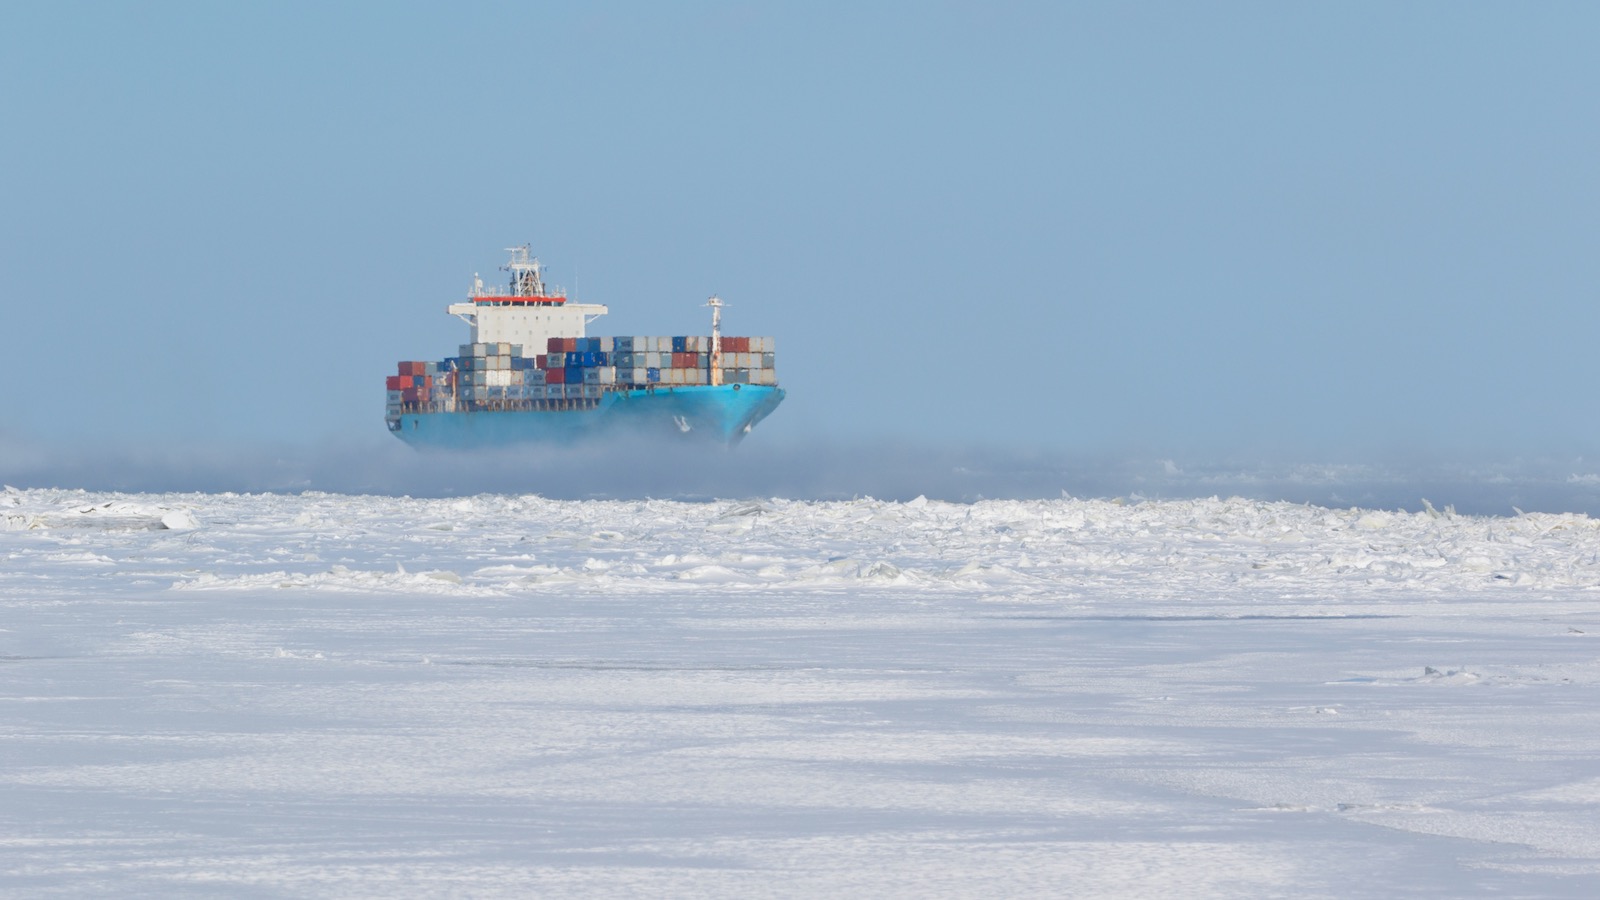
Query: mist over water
(814, 471)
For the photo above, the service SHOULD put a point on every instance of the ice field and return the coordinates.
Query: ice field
(508, 696)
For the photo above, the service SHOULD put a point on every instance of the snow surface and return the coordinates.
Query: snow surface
(324, 695)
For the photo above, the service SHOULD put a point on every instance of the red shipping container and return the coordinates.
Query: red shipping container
(409, 395)
(569, 345)
(553, 345)
(555, 376)
(427, 381)
(392, 383)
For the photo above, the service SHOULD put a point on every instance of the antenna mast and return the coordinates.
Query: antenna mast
(716, 305)
(526, 273)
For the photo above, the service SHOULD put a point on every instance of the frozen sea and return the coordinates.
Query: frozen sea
(333, 695)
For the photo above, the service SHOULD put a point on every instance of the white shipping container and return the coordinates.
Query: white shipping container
(608, 344)
(608, 375)
(498, 378)
(697, 376)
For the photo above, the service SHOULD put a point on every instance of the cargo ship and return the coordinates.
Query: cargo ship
(531, 373)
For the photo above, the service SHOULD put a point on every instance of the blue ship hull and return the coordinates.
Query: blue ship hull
(723, 414)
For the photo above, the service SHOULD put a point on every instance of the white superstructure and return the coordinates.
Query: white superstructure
(526, 312)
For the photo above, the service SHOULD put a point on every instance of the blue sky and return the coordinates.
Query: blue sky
(1325, 231)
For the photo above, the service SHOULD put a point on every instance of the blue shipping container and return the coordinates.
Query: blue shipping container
(652, 375)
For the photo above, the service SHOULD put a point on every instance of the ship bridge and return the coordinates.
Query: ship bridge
(526, 311)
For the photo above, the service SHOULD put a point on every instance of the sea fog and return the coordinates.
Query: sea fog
(817, 470)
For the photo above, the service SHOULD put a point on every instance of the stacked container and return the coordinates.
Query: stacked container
(499, 376)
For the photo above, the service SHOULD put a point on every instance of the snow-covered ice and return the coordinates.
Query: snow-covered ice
(325, 695)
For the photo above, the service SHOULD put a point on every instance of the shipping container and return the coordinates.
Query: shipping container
(555, 376)
(652, 374)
